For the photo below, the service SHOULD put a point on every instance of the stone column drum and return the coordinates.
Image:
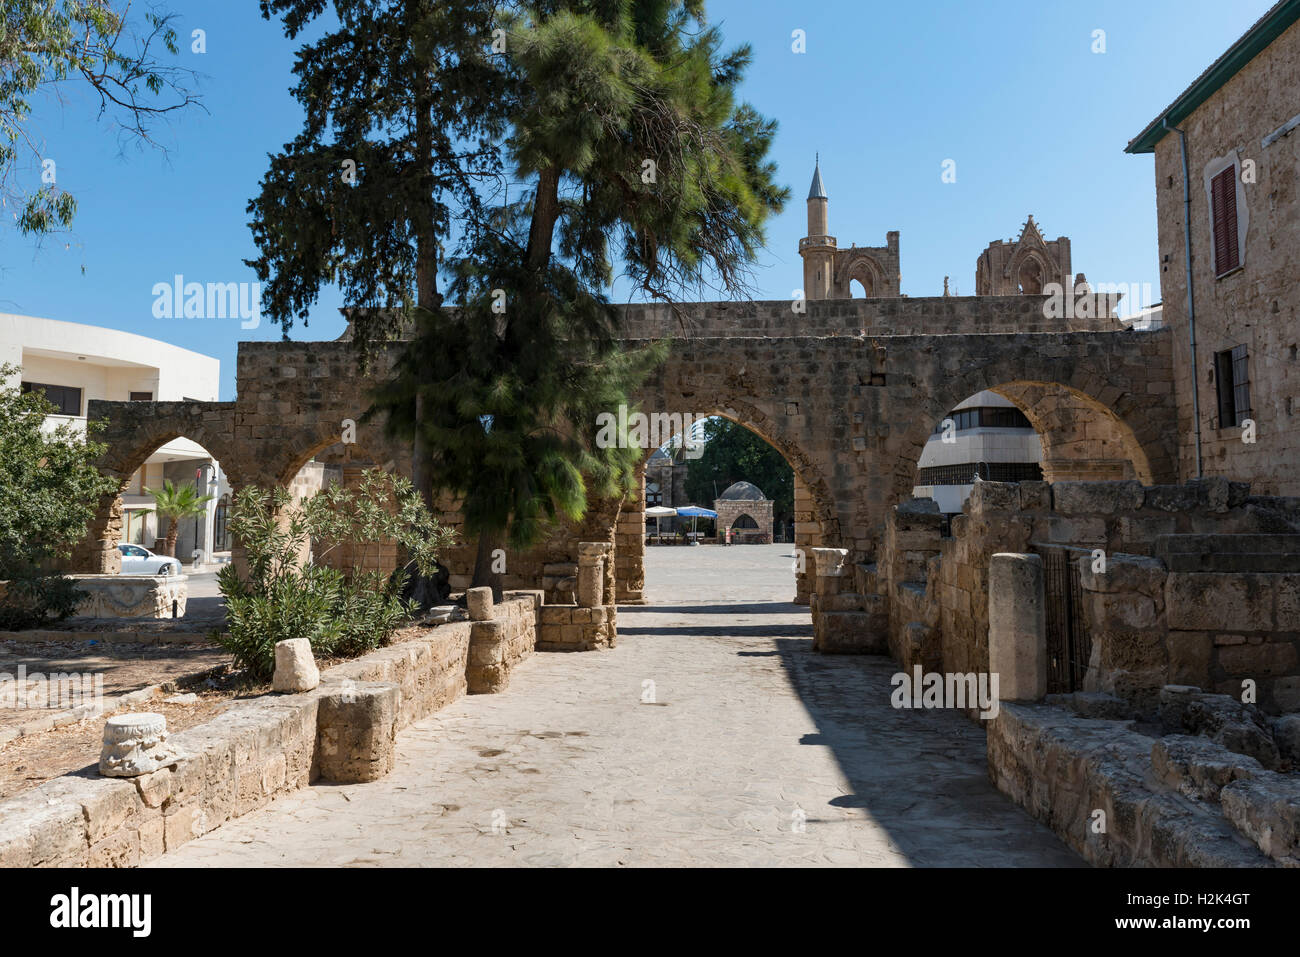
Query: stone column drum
(135, 744)
(1018, 626)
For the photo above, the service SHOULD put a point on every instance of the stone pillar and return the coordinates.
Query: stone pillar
(629, 547)
(591, 574)
(1017, 626)
(479, 603)
(97, 553)
(806, 536)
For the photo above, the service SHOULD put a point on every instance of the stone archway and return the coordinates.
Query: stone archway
(136, 431)
(812, 503)
(864, 269)
(1053, 406)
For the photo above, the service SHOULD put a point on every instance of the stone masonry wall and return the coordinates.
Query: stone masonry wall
(1225, 625)
(1258, 305)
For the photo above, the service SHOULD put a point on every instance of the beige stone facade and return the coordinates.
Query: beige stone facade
(1242, 125)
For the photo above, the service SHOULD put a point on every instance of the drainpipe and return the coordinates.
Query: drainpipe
(1191, 300)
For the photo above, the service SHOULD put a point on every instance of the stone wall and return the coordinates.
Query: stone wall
(1200, 583)
(1167, 798)
(848, 393)
(499, 643)
(907, 316)
(1214, 630)
(258, 750)
(1258, 305)
(574, 628)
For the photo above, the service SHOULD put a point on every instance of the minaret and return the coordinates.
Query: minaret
(817, 248)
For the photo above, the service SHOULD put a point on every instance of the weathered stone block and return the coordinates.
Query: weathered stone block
(1266, 809)
(1018, 626)
(1098, 498)
(479, 602)
(1219, 602)
(1198, 766)
(295, 667)
(356, 732)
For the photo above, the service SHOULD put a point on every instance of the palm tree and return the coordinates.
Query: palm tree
(174, 504)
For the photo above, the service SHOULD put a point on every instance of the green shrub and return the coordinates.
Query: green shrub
(37, 600)
(342, 613)
(49, 489)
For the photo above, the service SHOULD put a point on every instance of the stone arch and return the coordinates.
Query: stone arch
(135, 431)
(816, 521)
(1030, 264)
(296, 450)
(865, 269)
(1144, 441)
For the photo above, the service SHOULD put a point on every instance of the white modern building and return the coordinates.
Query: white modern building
(74, 363)
(987, 436)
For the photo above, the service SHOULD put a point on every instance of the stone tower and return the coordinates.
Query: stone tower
(829, 272)
(818, 248)
(1023, 266)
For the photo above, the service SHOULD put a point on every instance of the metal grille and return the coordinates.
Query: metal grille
(1068, 644)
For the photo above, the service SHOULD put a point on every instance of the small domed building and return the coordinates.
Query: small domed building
(746, 513)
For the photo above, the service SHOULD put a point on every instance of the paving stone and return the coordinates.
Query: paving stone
(751, 750)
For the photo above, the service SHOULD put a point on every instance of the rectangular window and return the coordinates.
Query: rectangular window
(65, 399)
(1223, 200)
(1232, 379)
(141, 396)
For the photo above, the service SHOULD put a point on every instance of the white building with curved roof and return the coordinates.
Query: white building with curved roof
(73, 363)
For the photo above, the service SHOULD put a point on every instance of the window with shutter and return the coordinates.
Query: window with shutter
(1240, 385)
(1232, 380)
(1223, 197)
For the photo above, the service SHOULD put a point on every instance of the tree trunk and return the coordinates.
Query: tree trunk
(427, 590)
(488, 542)
(546, 210)
(173, 531)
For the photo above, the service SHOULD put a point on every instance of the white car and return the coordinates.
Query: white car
(138, 560)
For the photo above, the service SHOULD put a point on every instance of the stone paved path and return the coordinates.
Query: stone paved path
(754, 751)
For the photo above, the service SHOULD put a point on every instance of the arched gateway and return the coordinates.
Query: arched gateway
(847, 390)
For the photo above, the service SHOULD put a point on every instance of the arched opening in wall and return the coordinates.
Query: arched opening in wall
(860, 287)
(1029, 278)
(344, 463)
(722, 525)
(179, 525)
(1021, 432)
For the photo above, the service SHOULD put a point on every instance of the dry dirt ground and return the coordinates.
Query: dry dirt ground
(34, 759)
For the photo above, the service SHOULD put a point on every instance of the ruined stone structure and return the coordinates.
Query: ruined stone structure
(1242, 157)
(829, 272)
(848, 393)
(1025, 266)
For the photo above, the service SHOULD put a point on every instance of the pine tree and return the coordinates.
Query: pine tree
(574, 139)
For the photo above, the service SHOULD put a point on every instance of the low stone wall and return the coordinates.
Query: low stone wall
(1160, 544)
(499, 643)
(1208, 788)
(575, 628)
(191, 636)
(243, 759)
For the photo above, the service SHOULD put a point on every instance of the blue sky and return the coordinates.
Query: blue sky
(1010, 90)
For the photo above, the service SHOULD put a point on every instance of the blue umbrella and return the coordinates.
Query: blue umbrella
(694, 512)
